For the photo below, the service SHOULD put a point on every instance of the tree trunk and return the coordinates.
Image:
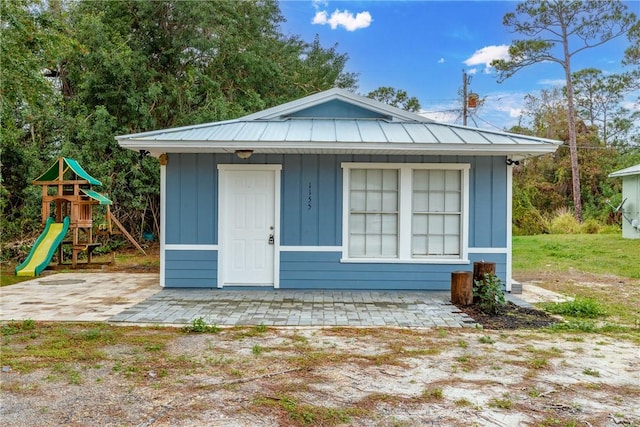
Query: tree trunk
(462, 287)
(571, 121)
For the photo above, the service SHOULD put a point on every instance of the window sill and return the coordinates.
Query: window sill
(404, 261)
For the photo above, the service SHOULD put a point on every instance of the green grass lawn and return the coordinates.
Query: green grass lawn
(589, 253)
(560, 261)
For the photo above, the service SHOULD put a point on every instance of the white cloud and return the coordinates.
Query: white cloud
(441, 61)
(487, 54)
(552, 82)
(472, 71)
(343, 19)
(320, 3)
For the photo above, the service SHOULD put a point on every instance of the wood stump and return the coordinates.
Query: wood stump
(481, 268)
(461, 287)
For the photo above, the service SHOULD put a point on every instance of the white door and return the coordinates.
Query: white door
(247, 227)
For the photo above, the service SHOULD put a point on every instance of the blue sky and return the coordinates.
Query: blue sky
(423, 47)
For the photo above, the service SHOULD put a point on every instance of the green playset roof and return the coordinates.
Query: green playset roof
(53, 174)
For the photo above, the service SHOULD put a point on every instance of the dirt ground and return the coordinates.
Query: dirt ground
(103, 375)
(333, 376)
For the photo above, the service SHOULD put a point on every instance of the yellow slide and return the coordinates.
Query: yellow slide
(44, 248)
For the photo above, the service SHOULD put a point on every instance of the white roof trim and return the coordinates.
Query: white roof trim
(271, 131)
(330, 95)
(633, 170)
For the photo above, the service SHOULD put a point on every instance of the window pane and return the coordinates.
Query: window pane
(390, 201)
(436, 246)
(389, 246)
(356, 245)
(374, 224)
(452, 202)
(390, 179)
(451, 245)
(452, 180)
(436, 180)
(374, 201)
(436, 202)
(373, 221)
(419, 245)
(451, 224)
(390, 224)
(356, 223)
(420, 180)
(373, 245)
(374, 179)
(358, 179)
(420, 224)
(420, 202)
(358, 201)
(436, 224)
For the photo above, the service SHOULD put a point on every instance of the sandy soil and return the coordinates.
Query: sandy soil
(340, 376)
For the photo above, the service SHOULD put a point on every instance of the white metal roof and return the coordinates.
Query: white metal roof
(359, 125)
(633, 170)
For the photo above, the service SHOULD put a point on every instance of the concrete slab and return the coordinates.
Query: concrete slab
(86, 297)
(138, 299)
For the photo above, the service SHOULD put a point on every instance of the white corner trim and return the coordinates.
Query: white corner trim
(310, 248)
(509, 271)
(163, 223)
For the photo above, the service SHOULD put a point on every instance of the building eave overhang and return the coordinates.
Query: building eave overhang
(630, 171)
(515, 152)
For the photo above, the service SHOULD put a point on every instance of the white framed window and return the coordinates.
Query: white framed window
(409, 212)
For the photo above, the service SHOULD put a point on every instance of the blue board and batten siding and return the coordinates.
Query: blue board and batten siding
(311, 215)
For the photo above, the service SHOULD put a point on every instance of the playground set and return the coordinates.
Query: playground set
(67, 187)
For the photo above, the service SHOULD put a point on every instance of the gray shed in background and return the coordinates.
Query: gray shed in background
(630, 206)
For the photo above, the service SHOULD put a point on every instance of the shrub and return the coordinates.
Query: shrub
(580, 307)
(563, 222)
(200, 326)
(489, 293)
(590, 226)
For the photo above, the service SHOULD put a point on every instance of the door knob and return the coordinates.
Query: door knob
(271, 239)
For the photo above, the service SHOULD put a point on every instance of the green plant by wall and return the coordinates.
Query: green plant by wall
(489, 293)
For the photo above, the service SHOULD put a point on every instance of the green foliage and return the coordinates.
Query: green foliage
(396, 98)
(118, 67)
(555, 31)
(200, 326)
(579, 307)
(490, 293)
(564, 222)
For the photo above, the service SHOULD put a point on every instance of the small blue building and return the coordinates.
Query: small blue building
(333, 191)
(630, 206)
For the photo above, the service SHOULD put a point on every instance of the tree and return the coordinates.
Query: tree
(117, 67)
(396, 98)
(598, 99)
(31, 37)
(555, 31)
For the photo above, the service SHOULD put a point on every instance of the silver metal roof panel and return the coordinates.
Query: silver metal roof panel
(419, 132)
(470, 136)
(347, 131)
(445, 135)
(323, 131)
(394, 132)
(370, 131)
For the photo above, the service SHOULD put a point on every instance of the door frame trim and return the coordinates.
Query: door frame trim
(277, 172)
